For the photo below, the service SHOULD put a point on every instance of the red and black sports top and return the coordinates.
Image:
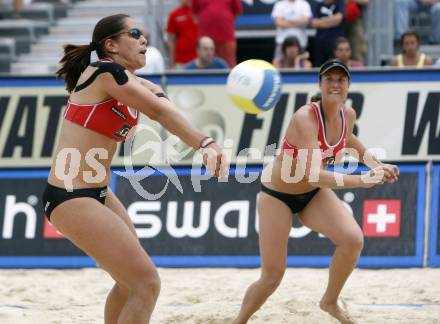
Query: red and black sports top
(109, 118)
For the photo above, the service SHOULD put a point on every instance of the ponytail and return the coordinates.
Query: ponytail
(316, 97)
(77, 57)
(75, 60)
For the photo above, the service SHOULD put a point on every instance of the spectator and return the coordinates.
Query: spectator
(403, 9)
(437, 63)
(205, 56)
(182, 35)
(410, 55)
(291, 18)
(216, 20)
(355, 32)
(343, 52)
(13, 7)
(292, 57)
(328, 19)
(155, 63)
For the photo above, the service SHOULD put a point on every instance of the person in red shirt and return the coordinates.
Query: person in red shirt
(216, 20)
(182, 35)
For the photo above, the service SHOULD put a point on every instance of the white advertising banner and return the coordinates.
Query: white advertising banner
(30, 120)
(398, 112)
(400, 120)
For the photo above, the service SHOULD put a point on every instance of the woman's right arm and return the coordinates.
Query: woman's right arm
(162, 110)
(302, 133)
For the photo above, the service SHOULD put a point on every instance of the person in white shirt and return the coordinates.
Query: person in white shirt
(155, 63)
(291, 18)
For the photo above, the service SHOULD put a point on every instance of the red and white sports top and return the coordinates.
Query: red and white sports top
(109, 118)
(329, 152)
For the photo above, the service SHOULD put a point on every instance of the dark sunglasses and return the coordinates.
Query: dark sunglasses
(136, 33)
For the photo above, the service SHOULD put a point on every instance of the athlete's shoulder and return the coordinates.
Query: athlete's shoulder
(305, 111)
(302, 127)
(304, 118)
(350, 118)
(350, 113)
(115, 69)
(108, 65)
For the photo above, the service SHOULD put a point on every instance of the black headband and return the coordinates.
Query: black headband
(331, 64)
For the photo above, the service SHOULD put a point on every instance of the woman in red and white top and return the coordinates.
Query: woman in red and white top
(297, 181)
(104, 103)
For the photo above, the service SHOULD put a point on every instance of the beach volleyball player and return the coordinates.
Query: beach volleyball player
(318, 134)
(97, 116)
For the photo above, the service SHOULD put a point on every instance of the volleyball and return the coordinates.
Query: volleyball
(254, 86)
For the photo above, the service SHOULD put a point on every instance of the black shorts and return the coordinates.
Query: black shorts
(296, 202)
(54, 196)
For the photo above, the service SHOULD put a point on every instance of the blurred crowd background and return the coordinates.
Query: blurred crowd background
(218, 34)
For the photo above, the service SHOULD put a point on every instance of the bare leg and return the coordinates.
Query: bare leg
(326, 215)
(275, 222)
(117, 297)
(103, 235)
(116, 300)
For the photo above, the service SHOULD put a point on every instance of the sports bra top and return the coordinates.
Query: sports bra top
(329, 152)
(109, 118)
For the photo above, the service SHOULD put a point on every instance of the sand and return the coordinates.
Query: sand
(213, 296)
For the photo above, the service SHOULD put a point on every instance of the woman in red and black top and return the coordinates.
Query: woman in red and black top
(104, 103)
(297, 181)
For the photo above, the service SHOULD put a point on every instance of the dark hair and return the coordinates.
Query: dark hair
(408, 33)
(290, 41)
(77, 57)
(316, 97)
(340, 40)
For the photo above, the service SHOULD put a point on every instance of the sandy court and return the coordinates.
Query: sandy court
(213, 296)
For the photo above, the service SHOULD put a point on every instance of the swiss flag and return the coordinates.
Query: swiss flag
(50, 232)
(381, 218)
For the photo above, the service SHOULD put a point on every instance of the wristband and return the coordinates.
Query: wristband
(206, 141)
(162, 95)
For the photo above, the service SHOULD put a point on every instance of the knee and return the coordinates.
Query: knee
(148, 285)
(271, 278)
(350, 240)
(121, 289)
(354, 241)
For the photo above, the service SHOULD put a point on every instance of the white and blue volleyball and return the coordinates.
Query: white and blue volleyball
(254, 86)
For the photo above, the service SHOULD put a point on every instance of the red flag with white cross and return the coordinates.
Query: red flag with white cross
(381, 218)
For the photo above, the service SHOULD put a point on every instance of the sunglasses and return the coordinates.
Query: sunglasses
(136, 33)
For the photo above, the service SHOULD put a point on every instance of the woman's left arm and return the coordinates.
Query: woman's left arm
(359, 151)
(154, 88)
